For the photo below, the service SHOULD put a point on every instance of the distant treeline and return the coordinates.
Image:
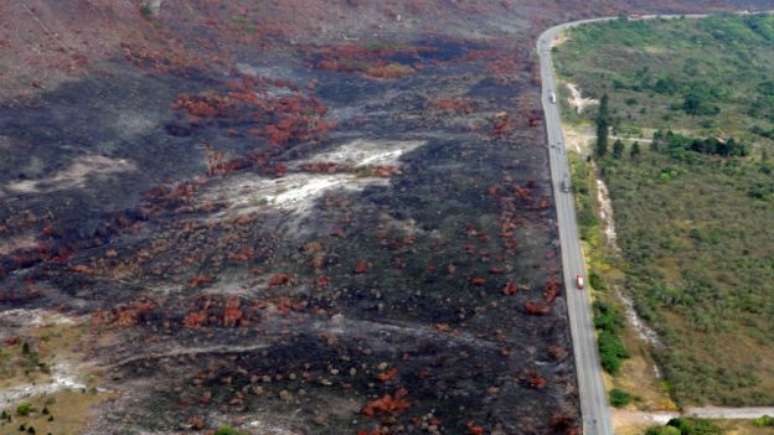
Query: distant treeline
(671, 142)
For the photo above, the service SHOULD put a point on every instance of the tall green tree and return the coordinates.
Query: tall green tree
(603, 127)
(618, 149)
(635, 151)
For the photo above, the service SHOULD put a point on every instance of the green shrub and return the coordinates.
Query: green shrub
(227, 430)
(24, 409)
(694, 426)
(764, 421)
(611, 351)
(596, 281)
(619, 398)
(663, 430)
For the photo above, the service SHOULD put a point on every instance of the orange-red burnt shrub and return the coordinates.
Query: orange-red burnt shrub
(389, 404)
(552, 289)
(125, 315)
(370, 62)
(279, 120)
(474, 429)
(204, 106)
(325, 167)
(452, 105)
(388, 375)
(279, 279)
(388, 71)
(510, 289)
(232, 314)
(200, 281)
(501, 125)
(536, 381)
(537, 308)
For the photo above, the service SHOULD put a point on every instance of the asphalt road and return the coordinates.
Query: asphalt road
(593, 398)
(595, 410)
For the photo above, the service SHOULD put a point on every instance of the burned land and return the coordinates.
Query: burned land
(267, 223)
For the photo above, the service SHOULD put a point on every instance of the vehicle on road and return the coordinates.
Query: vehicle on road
(553, 97)
(565, 186)
(579, 282)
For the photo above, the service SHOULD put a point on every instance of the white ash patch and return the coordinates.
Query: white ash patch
(75, 176)
(365, 152)
(133, 123)
(297, 193)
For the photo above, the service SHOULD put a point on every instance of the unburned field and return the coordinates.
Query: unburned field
(693, 207)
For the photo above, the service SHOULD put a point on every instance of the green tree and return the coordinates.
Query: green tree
(603, 126)
(619, 398)
(635, 151)
(618, 149)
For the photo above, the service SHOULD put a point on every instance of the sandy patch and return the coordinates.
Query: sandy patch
(560, 39)
(35, 317)
(635, 422)
(63, 377)
(576, 99)
(606, 213)
(75, 176)
(578, 138)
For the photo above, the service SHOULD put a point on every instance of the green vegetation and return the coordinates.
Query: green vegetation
(603, 127)
(677, 145)
(686, 426)
(619, 398)
(146, 11)
(24, 409)
(663, 430)
(228, 430)
(764, 421)
(694, 208)
(608, 321)
(667, 73)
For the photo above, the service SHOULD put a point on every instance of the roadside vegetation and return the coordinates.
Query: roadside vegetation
(686, 426)
(684, 137)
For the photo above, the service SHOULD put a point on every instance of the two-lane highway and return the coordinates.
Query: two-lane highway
(593, 399)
